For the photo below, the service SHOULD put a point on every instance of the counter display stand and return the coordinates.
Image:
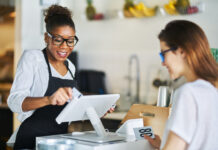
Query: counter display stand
(92, 108)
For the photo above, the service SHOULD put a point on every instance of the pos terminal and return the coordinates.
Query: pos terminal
(93, 108)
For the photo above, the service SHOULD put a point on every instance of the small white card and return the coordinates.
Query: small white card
(76, 93)
(139, 132)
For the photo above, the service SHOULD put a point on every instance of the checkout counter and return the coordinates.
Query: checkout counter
(62, 142)
(58, 142)
(100, 138)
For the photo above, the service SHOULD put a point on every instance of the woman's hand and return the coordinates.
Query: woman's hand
(61, 96)
(154, 142)
(109, 111)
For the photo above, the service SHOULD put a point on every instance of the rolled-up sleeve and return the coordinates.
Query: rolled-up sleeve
(22, 82)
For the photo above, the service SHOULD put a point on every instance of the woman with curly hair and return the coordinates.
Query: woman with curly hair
(44, 80)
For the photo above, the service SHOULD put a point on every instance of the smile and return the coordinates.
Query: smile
(62, 54)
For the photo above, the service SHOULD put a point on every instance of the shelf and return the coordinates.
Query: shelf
(5, 86)
(3, 106)
(146, 11)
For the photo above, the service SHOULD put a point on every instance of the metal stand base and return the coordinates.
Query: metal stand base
(93, 137)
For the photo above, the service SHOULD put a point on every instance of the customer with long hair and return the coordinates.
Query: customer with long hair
(193, 123)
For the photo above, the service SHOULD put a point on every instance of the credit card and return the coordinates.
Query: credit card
(76, 94)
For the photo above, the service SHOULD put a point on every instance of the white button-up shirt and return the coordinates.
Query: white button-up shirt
(31, 80)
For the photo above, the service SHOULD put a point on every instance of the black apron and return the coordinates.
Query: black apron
(42, 121)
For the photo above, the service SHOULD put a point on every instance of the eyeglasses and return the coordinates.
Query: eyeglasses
(162, 54)
(59, 40)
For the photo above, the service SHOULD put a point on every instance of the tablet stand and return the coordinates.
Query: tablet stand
(101, 136)
(96, 122)
(90, 108)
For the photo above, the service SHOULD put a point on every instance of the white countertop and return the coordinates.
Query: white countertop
(117, 145)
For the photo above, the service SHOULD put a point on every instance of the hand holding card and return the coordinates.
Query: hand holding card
(154, 142)
(140, 132)
(147, 133)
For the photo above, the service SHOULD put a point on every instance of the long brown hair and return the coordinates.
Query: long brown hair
(192, 39)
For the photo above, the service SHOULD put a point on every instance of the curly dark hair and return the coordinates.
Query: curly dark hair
(56, 16)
